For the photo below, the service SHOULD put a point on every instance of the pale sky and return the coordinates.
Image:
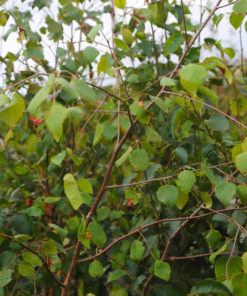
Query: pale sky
(225, 32)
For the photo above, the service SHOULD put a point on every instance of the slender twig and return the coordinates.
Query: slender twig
(164, 178)
(37, 254)
(173, 258)
(232, 252)
(185, 27)
(225, 5)
(166, 220)
(87, 121)
(163, 257)
(208, 106)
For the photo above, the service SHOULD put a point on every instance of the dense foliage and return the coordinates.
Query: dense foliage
(123, 157)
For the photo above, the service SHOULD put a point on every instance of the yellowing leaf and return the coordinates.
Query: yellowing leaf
(192, 76)
(120, 3)
(41, 95)
(13, 113)
(72, 192)
(102, 65)
(121, 44)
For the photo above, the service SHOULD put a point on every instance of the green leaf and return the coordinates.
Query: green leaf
(225, 191)
(209, 286)
(118, 291)
(51, 199)
(13, 113)
(160, 103)
(49, 247)
(84, 91)
(85, 186)
(98, 133)
(3, 18)
(62, 232)
(240, 7)
(136, 250)
(98, 234)
(182, 199)
(120, 3)
(121, 44)
(72, 192)
(242, 193)
(206, 199)
(95, 269)
(225, 268)
(173, 43)
(115, 275)
(31, 258)
(186, 180)
(55, 119)
(41, 95)
(213, 238)
(218, 123)
(102, 65)
(244, 260)
(94, 32)
(127, 36)
(35, 52)
(25, 269)
(90, 53)
(140, 112)
(152, 135)
(162, 270)
(139, 159)
(57, 159)
(239, 284)
(241, 162)
(192, 76)
(165, 81)
(103, 213)
(220, 250)
(5, 277)
(168, 195)
(124, 157)
(4, 100)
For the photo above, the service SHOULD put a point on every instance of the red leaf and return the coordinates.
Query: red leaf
(36, 121)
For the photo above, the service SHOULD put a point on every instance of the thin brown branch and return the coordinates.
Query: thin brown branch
(185, 27)
(208, 106)
(173, 258)
(165, 178)
(166, 220)
(37, 254)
